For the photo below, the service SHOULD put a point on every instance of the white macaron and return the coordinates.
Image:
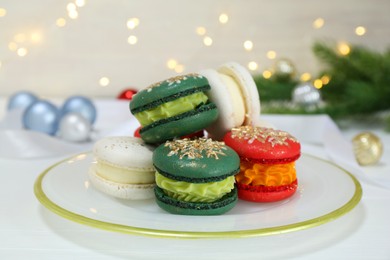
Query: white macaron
(235, 93)
(123, 168)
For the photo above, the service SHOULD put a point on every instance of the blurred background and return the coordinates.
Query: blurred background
(98, 48)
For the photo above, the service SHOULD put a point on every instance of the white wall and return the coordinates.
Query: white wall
(71, 59)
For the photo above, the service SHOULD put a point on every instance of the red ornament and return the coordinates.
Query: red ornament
(136, 132)
(127, 94)
(194, 135)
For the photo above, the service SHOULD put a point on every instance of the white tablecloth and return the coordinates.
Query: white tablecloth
(30, 231)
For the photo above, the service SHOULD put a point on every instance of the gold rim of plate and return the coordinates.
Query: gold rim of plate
(45, 201)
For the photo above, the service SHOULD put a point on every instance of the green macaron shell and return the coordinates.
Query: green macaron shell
(174, 206)
(168, 90)
(180, 125)
(196, 170)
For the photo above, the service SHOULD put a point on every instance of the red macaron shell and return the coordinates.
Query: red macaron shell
(263, 145)
(263, 193)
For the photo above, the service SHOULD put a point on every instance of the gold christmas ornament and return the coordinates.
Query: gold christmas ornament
(368, 148)
(284, 68)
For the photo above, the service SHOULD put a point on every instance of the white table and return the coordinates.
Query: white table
(30, 231)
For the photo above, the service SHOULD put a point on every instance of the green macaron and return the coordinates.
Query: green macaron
(195, 177)
(173, 108)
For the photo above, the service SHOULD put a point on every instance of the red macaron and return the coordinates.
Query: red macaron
(267, 162)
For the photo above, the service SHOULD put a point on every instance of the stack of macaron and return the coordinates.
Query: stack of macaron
(215, 100)
(191, 174)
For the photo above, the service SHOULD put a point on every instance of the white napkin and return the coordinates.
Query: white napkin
(322, 130)
(114, 119)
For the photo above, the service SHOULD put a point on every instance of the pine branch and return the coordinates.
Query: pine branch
(360, 81)
(359, 85)
(275, 88)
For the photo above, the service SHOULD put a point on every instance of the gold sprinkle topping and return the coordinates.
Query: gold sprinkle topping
(177, 80)
(263, 134)
(194, 148)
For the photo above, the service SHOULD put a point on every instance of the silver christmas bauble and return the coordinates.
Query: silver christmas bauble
(305, 94)
(74, 127)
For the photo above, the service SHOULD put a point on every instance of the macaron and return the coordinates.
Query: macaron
(267, 171)
(174, 107)
(235, 93)
(123, 168)
(195, 176)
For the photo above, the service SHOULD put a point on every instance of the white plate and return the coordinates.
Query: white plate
(325, 193)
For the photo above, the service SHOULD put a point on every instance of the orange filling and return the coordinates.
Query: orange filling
(268, 175)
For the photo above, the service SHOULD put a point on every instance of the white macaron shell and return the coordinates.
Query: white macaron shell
(119, 190)
(248, 88)
(226, 94)
(124, 152)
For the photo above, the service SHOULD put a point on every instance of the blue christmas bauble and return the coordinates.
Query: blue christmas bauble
(21, 100)
(80, 105)
(41, 116)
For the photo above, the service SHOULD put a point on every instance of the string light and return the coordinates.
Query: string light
(35, 37)
(60, 22)
(132, 23)
(207, 41)
(80, 3)
(223, 18)
(248, 45)
(171, 63)
(271, 55)
(200, 30)
(318, 83)
(179, 68)
(252, 65)
(360, 31)
(73, 14)
(12, 46)
(104, 81)
(132, 39)
(318, 23)
(267, 74)
(3, 12)
(343, 48)
(305, 76)
(325, 79)
(22, 52)
(71, 7)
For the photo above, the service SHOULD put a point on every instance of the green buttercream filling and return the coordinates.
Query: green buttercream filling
(195, 192)
(171, 108)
